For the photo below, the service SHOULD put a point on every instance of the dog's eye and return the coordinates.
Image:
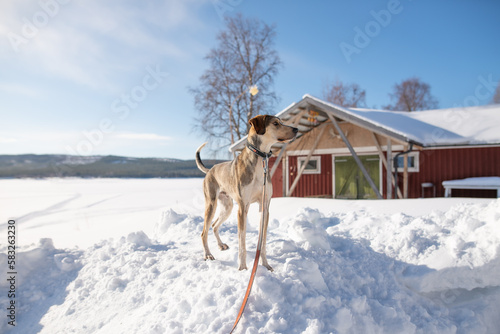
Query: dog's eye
(276, 123)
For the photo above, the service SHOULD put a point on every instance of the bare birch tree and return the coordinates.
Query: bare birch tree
(244, 58)
(344, 95)
(412, 95)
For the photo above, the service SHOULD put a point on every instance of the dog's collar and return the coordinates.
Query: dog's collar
(259, 152)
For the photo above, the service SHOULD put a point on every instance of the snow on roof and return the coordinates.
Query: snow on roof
(414, 130)
(478, 125)
(442, 127)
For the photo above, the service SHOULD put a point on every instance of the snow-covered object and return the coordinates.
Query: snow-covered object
(490, 181)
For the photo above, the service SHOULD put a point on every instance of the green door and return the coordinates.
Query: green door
(350, 182)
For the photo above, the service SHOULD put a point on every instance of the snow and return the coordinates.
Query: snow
(94, 208)
(125, 256)
(490, 181)
(453, 126)
(414, 129)
(477, 125)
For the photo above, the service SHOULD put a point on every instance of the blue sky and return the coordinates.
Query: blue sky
(111, 77)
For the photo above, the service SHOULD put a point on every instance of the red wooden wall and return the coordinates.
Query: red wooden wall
(277, 178)
(439, 165)
(435, 166)
(310, 185)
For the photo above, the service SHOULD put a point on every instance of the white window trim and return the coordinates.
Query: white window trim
(416, 167)
(301, 160)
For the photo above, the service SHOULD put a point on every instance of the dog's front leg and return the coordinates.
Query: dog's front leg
(265, 216)
(242, 226)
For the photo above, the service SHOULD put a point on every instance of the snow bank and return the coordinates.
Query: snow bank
(43, 274)
(350, 272)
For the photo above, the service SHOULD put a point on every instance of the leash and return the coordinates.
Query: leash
(259, 243)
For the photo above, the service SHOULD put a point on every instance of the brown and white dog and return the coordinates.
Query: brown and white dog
(242, 180)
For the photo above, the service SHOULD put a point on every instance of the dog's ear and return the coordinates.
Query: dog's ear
(259, 124)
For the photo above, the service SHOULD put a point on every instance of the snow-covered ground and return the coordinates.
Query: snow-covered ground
(125, 256)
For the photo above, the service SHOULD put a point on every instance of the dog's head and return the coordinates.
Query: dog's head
(272, 129)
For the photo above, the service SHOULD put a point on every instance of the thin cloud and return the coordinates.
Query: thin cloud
(142, 136)
(85, 42)
(7, 140)
(82, 143)
(18, 89)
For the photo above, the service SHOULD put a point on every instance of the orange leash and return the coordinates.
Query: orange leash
(249, 288)
(257, 254)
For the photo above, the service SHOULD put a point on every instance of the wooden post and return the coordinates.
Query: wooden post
(299, 174)
(384, 161)
(405, 174)
(283, 149)
(355, 156)
(389, 169)
(285, 176)
(278, 160)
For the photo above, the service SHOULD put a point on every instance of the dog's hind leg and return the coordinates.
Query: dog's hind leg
(226, 208)
(210, 207)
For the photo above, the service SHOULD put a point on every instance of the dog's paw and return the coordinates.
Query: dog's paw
(223, 247)
(243, 267)
(269, 268)
(209, 257)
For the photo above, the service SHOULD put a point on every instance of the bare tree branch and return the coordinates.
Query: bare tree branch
(344, 95)
(244, 57)
(412, 95)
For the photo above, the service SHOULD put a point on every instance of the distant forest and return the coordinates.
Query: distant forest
(40, 166)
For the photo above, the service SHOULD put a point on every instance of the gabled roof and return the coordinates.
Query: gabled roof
(432, 128)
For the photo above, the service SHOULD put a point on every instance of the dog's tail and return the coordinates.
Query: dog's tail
(199, 163)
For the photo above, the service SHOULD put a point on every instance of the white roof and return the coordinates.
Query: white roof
(478, 125)
(442, 127)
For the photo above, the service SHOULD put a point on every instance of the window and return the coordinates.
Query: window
(313, 165)
(412, 162)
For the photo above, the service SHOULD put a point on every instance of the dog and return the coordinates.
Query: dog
(241, 180)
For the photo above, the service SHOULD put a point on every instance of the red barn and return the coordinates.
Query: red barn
(365, 153)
